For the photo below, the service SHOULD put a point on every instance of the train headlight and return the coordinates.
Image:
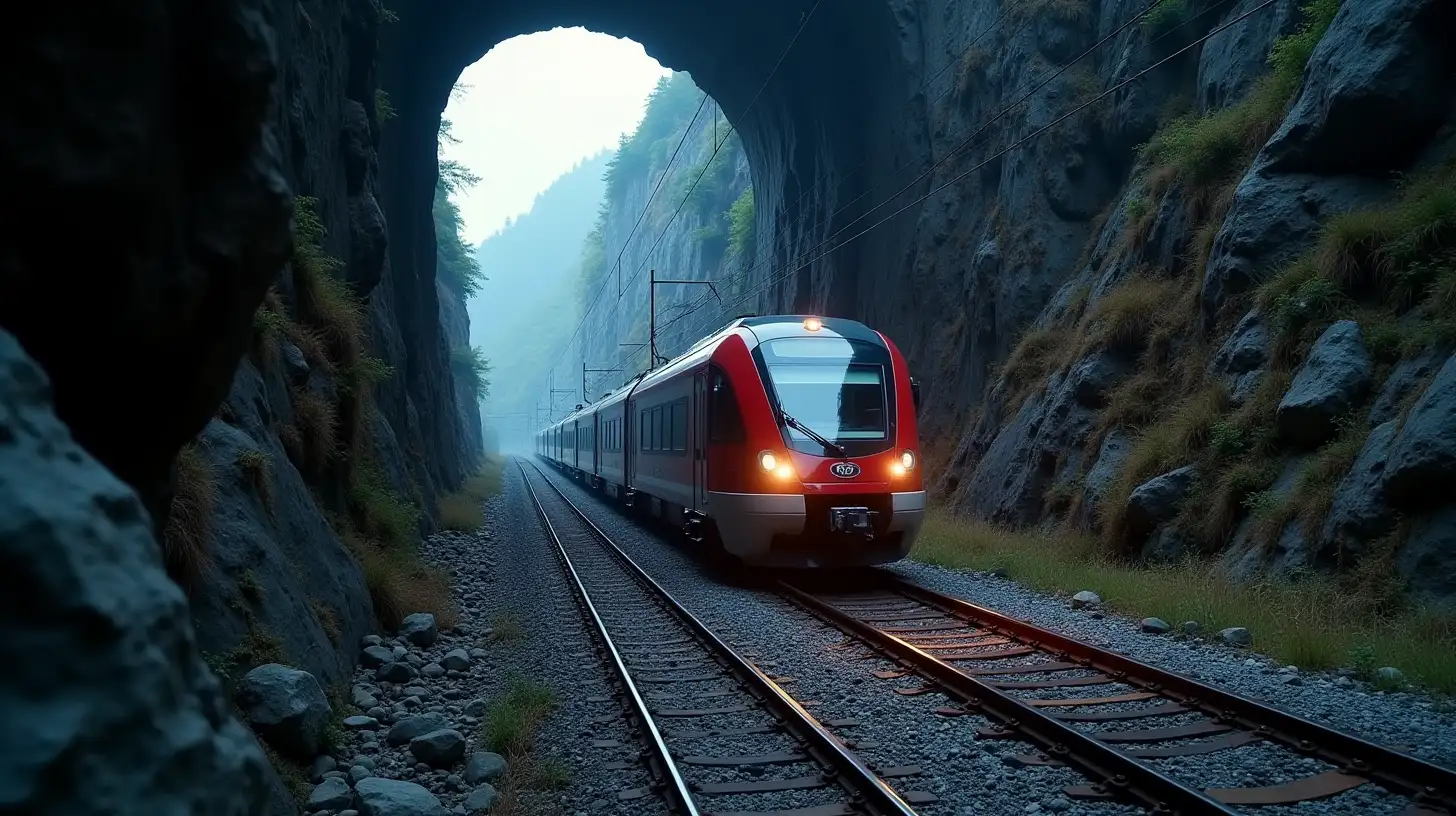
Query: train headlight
(813, 324)
(907, 460)
(768, 461)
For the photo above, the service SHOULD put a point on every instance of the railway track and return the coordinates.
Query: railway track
(1108, 716)
(720, 735)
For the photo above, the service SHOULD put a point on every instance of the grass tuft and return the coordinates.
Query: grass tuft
(187, 538)
(512, 719)
(316, 420)
(257, 467)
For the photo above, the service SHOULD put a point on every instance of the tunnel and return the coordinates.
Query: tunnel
(811, 87)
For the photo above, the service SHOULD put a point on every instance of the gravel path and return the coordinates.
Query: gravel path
(972, 776)
(518, 621)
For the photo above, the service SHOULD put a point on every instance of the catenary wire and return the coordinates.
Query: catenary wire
(773, 280)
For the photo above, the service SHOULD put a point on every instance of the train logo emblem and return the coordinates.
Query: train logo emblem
(844, 470)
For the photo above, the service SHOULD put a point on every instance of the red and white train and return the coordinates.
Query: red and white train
(788, 441)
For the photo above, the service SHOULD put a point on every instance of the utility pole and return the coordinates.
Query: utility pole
(652, 283)
(584, 371)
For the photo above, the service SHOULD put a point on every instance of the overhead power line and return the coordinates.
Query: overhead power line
(773, 280)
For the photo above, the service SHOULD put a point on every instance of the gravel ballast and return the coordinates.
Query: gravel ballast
(957, 766)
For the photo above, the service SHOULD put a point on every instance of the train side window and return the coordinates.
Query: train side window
(725, 422)
(680, 425)
(664, 428)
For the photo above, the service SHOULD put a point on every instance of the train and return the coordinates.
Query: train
(780, 441)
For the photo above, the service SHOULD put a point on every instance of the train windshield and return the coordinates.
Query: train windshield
(834, 386)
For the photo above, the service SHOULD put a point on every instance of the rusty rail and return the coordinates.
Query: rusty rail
(1232, 719)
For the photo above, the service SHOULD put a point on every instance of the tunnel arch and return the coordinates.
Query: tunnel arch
(836, 98)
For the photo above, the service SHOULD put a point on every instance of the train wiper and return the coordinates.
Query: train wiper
(812, 434)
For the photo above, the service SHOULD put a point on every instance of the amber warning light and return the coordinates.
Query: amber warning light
(812, 324)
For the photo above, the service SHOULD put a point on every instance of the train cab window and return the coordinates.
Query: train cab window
(725, 422)
(680, 425)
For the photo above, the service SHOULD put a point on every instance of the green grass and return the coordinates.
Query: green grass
(512, 719)
(1204, 151)
(1165, 16)
(384, 514)
(1393, 267)
(1315, 624)
(742, 226)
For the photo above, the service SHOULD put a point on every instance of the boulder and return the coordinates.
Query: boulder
(1233, 59)
(375, 656)
(456, 660)
(389, 797)
(1385, 61)
(1422, 464)
(1334, 378)
(286, 707)
(109, 707)
(1157, 500)
(1408, 375)
(480, 799)
(484, 766)
(414, 726)
(331, 794)
(419, 629)
(1427, 559)
(1240, 361)
(1358, 513)
(439, 749)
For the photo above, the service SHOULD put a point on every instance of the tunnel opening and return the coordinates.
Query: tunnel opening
(781, 100)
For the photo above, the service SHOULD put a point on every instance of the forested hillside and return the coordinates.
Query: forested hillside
(522, 311)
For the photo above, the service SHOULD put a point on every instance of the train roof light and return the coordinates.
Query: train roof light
(812, 324)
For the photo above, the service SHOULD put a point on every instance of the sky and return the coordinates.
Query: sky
(536, 105)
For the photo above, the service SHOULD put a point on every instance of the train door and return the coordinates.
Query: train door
(700, 440)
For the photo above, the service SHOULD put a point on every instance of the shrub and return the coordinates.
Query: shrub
(470, 365)
(1165, 16)
(1125, 317)
(327, 301)
(187, 538)
(742, 223)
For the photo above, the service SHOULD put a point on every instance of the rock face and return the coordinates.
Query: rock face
(107, 644)
(1332, 381)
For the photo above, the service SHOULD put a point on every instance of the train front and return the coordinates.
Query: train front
(832, 474)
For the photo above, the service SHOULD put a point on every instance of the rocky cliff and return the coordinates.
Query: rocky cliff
(236, 346)
(1212, 316)
(678, 206)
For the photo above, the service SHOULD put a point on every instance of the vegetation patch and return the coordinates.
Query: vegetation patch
(510, 729)
(383, 534)
(505, 628)
(464, 509)
(742, 226)
(327, 618)
(1392, 267)
(187, 538)
(1202, 152)
(455, 263)
(1165, 16)
(471, 368)
(1317, 623)
(316, 424)
(257, 468)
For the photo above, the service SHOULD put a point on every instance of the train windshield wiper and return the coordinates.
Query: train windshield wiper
(812, 434)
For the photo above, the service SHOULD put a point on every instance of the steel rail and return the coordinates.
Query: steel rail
(863, 785)
(1119, 773)
(1424, 782)
(679, 797)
